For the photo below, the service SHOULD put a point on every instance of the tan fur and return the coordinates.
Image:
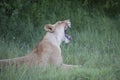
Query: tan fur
(48, 51)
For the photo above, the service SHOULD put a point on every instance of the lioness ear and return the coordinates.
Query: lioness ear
(49, 28)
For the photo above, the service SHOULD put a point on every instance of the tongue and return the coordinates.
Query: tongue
(68, 36)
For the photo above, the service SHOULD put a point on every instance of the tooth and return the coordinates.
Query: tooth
(69, 24)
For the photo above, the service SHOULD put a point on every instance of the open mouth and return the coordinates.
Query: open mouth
(68, 25)
(66, 35)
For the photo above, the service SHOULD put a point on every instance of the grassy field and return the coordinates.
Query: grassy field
(95, 46)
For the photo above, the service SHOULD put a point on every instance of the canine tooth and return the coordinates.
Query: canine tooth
(69, 24)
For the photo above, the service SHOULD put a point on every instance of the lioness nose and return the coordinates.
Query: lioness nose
(68, 22)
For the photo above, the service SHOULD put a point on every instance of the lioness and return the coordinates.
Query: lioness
(48, 51)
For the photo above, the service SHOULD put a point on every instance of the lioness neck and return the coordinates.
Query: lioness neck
(52, 38)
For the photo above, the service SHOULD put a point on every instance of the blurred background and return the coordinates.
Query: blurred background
(95, 32)
(23, 20)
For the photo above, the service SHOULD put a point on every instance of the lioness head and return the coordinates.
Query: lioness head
(59, 29)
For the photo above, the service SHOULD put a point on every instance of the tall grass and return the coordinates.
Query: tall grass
(95, 44)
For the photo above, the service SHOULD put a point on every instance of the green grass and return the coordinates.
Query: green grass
(97, 51)
(95, 46)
